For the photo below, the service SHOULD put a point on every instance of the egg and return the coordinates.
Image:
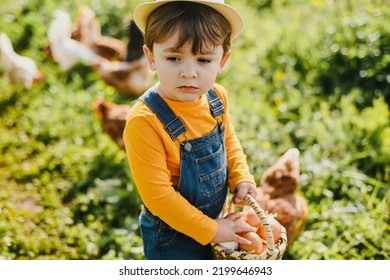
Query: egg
(251, 217)
(257, 244)
(276, 228)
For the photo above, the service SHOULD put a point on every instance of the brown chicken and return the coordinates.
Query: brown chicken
(131, 76)
(88, 32)
(277, 194)
(113, 119)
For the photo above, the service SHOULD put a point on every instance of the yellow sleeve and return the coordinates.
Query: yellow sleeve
(146, 153)
(238, 169)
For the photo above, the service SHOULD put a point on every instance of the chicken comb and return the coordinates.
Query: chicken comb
(97, 106)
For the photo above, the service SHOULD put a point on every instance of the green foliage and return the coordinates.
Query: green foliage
(307, 74)
(299, 90)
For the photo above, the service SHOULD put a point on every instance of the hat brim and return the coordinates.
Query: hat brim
(142, 12)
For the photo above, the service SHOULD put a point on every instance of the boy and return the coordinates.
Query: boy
(181, 145)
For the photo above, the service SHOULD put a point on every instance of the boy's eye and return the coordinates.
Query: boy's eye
(172, 58)
(204, 60)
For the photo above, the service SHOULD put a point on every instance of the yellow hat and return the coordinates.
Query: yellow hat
(142, 12)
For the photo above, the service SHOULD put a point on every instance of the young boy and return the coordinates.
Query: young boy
(181, 145)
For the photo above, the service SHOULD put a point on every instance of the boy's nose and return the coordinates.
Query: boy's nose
(188, 71)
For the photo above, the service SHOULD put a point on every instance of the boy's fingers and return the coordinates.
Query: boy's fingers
(243, 226)
(234, 216)
(253, 193)
(238, 197)
(242, 240)
(246, 227)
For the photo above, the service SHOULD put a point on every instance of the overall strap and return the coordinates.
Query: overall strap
(216, 104)
(173, 125)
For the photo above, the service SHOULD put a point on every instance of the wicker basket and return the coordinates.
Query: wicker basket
(273, 251)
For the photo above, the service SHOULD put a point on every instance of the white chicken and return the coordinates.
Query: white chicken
(66, 51)
(19, 69)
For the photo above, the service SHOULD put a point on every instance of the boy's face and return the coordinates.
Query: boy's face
(184, 76)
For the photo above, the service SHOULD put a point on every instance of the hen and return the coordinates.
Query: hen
(88, 32)
(132, 76)
(277, 194)
(66, 51)
(19, 69)
(113, 119)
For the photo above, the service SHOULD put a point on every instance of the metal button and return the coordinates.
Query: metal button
(187, 146)
(221, 127)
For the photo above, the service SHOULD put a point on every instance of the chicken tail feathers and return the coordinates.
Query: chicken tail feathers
(6, 51)
(135, 43)
(5, 44)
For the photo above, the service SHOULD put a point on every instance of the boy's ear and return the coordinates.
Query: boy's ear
(149, 55)
(224, 60)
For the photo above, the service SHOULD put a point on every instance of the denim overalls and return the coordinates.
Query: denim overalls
(203, 173)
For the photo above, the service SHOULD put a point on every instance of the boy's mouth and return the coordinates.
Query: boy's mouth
(188, 88)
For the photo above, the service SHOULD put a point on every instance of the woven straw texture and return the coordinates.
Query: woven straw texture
(272, 252)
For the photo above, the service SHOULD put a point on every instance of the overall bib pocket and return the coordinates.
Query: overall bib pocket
(212, 172)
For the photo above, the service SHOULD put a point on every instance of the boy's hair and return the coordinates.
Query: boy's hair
(196, 23)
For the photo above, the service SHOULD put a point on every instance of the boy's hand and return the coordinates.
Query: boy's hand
(242, 189)
(230, 227)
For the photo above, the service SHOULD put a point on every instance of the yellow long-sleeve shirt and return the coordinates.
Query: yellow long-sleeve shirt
(154, 158)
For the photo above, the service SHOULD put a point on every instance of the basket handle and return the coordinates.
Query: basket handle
(264, 220)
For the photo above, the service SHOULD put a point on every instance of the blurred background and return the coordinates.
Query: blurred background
(312, 75)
